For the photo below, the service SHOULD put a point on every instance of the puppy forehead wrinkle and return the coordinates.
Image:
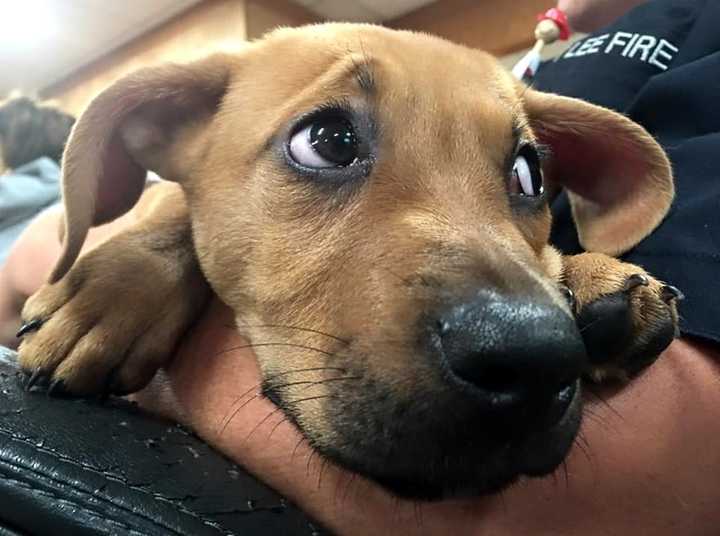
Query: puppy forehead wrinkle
(365, 77)
(520, 130)
(362, 67)
(346, 68)
(357, 68)
(339, 80)
(507, 96)
(516, 132)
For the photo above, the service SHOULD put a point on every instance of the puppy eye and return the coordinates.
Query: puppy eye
(327, 142)
(526, 178)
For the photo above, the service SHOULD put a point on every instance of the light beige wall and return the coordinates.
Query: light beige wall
(264, 15)
(209, 26)
(498, 26)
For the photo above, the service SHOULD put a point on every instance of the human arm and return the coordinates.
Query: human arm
(648, 461)
(26, 268)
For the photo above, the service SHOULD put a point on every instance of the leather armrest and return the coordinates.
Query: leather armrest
(72, 466)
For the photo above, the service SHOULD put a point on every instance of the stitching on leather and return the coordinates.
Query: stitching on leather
(90, 513)
(117, 478)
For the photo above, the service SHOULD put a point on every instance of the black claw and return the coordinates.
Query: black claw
(634, 281)
(669, 293)
(27, 327)
(107, 389)
(570, 297)
(33, 379)
(57, 387)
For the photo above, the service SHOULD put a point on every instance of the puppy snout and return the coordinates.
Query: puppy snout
(510, 350)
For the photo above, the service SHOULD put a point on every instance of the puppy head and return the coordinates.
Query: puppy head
(29, 130)
(372, 206)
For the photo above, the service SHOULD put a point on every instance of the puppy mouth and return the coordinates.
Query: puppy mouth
(533, 452)
(545, 449)
(451, 458)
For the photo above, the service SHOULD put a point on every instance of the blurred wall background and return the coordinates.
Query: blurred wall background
(91, 43)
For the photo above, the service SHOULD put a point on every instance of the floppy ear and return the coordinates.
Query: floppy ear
(618, 178)
(154, 119)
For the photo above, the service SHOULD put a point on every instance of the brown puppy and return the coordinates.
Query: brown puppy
(370, 204)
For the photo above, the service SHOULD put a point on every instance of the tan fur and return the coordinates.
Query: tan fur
(591, 275)
(328, 282)
(627, 197)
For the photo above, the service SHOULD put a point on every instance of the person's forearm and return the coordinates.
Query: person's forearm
(26, 268)
(653, 442)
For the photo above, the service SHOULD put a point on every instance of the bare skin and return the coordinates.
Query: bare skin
(648, 461)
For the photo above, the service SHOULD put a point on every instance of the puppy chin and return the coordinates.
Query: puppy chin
(544, 451)
(539, 455)
(470, 471)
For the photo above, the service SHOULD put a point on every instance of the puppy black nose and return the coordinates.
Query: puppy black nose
(511, 349)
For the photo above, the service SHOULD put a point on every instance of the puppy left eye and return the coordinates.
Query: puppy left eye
(325, 143)
(526, 178)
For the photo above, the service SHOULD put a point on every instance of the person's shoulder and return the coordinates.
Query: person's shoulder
(612, 65)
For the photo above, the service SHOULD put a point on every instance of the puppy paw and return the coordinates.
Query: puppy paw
(110, 323)
(626, 317)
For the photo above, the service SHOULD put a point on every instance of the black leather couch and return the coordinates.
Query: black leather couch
(78, 467)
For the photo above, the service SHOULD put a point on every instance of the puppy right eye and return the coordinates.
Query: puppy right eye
(326, 142)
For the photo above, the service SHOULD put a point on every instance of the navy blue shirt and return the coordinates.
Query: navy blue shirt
(660, 66)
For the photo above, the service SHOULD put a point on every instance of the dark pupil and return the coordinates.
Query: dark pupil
(536, 175)
(531, 157)
(334, 139)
